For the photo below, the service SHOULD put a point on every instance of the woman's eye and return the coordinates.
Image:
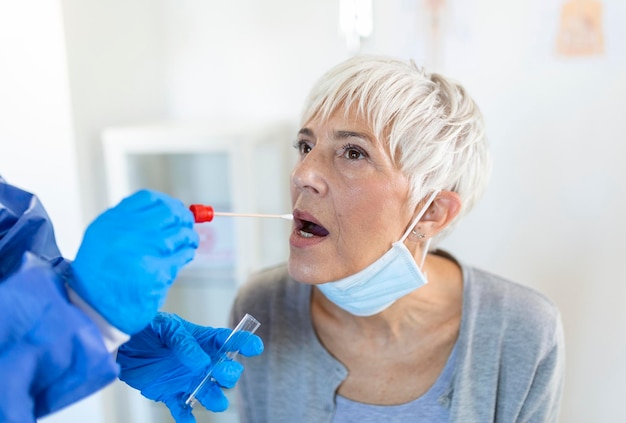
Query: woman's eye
(303, 147)
(351, 152)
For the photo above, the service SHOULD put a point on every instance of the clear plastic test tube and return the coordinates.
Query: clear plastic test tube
(229, 350)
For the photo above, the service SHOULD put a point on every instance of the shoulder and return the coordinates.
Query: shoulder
(495, 292)
(498, 310)
(485, 292)
(516, 312)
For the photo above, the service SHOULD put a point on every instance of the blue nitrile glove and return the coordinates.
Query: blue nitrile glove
(171, 356)
(130, 255)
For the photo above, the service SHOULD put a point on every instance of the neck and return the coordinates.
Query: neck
(431, 305)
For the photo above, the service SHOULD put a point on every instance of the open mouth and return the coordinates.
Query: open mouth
(308, 229)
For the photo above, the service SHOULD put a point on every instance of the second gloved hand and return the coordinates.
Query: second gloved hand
(130, 255)
(167, 359)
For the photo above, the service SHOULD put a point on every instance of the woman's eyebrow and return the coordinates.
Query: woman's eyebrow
(353, 134)
(305, 131)
(340, 135)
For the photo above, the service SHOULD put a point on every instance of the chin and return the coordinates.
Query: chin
(307, 273)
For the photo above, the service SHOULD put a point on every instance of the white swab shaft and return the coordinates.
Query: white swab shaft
(279, 216)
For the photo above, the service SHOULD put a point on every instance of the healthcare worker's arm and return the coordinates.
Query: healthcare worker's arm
(170, 357)
(128, 259)
(51, 354)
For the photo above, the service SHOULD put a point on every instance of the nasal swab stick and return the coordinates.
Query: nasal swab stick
(202, 213)
(279, 216)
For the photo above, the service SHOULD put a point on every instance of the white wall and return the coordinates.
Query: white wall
(36, 138)
(551, 218)
(115, 54)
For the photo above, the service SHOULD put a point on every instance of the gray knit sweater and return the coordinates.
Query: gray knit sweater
(509, 364)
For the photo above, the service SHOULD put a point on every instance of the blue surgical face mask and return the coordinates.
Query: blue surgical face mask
(380, 284)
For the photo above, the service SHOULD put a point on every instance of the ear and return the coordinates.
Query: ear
(441, 212)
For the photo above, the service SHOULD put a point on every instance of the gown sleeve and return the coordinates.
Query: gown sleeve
(51, 353)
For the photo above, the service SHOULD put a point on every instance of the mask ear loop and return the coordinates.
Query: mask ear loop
(417, 219)
(421, 213)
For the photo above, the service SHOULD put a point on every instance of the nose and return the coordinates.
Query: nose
(309, 174)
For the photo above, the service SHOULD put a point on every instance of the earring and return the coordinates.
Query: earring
(419, 235)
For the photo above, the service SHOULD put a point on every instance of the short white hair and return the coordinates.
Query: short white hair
(433, 129)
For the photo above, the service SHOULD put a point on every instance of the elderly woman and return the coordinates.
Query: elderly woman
(367, 322)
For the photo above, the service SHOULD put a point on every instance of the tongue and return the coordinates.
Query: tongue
(314, 229)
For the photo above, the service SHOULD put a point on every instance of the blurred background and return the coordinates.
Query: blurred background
(201, 99)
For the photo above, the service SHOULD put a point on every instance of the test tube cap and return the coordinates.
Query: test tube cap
(201, 213)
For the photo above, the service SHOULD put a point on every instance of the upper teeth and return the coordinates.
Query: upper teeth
(306, 234)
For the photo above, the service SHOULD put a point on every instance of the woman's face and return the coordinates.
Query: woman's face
(349, 201)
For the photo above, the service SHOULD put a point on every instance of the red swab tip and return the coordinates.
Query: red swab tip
(201, 213)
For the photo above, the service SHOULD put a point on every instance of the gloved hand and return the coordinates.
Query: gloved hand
(130, 255)
(171, 356)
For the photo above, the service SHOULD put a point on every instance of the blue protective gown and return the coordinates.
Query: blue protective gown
(51, 353)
